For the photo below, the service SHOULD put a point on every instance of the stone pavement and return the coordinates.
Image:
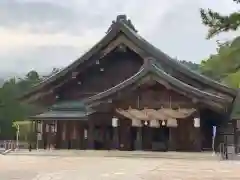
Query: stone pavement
(110, 168)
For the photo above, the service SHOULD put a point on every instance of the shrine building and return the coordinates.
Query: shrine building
(126, 94)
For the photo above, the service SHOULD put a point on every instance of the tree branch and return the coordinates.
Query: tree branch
(220, 23)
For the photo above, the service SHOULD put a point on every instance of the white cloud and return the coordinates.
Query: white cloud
(59, 31)
(13, 39)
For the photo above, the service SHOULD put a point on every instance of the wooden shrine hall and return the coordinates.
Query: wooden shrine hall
(126, 94)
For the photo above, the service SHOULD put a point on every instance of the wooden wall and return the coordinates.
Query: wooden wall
(113, 69)
(155, 96)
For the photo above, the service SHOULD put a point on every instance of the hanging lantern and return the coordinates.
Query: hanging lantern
(114, 122)
(163, 123)
(101, 69)
(197, 122)
(145, 123)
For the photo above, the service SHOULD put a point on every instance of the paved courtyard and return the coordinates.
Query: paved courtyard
(110, 168)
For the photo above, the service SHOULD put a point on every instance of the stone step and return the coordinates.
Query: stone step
(127, 154)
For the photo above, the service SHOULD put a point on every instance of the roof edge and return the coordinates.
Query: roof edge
(150, 67)
(158, 54)
(124, 25)
(115, 28)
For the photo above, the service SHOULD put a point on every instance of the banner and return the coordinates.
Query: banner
(214, 131)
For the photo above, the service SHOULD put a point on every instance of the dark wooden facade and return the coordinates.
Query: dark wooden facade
(123, 70)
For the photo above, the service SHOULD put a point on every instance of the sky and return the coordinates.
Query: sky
(43, 34)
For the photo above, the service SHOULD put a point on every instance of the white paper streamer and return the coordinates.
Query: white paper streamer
(136, 123)
(154, 123)
(172, 123)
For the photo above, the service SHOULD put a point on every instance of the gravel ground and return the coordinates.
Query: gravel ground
(103, 168)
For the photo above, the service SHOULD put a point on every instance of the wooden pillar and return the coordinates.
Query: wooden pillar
(147, 137)
(58, 135)
(80, 135)
(137, 125)
(44, 135)
(64, 140)
(138, 141)
(74, 135)
(237, 136)
(105, 136)
(115, 143)
(36, 133)
(197, 134)
(115, 127)
(90, 135)
(47, 132)
(172, 143)
(126, 135)
(68, 134)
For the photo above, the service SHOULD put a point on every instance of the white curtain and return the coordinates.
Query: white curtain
(154, 123)
(136, 123)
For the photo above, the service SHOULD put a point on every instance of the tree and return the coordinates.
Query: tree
(25, 129)
(225, 65)
(10, 108)
(218, 23)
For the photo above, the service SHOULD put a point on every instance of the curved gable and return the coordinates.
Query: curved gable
(131, 39)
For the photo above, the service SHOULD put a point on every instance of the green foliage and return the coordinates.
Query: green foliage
(25, 129)
(225, 65)
(220, 23)
(10, 108)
